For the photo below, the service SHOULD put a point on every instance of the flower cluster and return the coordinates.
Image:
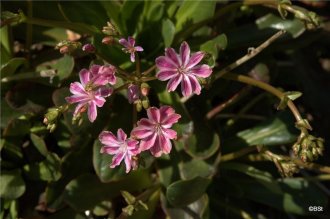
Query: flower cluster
(155, 132)
(91, 91)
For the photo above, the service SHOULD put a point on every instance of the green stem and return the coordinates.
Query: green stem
(266, 87)
(29, 28)
(138, 65)
(149, 70)
(237, 154)
(250, 55)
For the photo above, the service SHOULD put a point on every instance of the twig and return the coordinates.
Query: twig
(240, 116)
(149, 70)
(225, 104)
(266, 87)
(250, 55)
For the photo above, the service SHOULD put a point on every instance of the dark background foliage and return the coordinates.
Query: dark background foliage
(63, 175)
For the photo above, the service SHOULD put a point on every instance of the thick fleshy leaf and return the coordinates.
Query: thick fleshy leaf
(86, 191)
(185, 192)
(39, 143)
(12, 184)
(10, 67)
(274, 131)
(168, 31)
(47, 170)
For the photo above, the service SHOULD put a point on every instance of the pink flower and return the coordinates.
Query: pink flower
(155, 132)
(129, 47)
(133, 93)
(87, 95)
(103, 74)
(121, 147)
(182, 68)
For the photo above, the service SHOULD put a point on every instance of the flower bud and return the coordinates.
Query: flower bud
(145, 89)
(108, 40)
(67, 47)
(145, 103)
(51, 116)
(138, 104)
(88, 48)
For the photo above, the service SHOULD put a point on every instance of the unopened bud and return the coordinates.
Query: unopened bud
(66, 46)
(88, 48)
(145, 89)
(64, 50)
(108, 40)
(51, 127)
(51, 116)
(138, 104)
(145, 103)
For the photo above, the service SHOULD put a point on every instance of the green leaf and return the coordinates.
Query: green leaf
(294, 26)
(39, 143)
(10, 67)
(265, 178)
(213, 47)
(86, 191)
(274, 131)
(193, 11)
(184, 192)
(168, 31)
(201, 145)
(12, 184)
(17, 127)
(47, 170)
(194, 168)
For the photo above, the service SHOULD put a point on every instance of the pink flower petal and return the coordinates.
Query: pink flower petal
(138, 48)
(202, 71)
(117, 159)
(132, 57)
(128, 163)
(77, 88)
(141, 132)
(108, 138)
(92, 111)
(153, 114)
(171, 54)
(170, 120)
(174, 82)
(76, 99)
(79, 107)
(146, 123)
(95, 69)
(184, 53)
(84, 76)
(104, 91)
(186, 88)
(133, 93)
(165, 62)
(121, 135)
(131, 41)
(196, 87)
(195, 59)
(109, 150)
(166, 75)
(148, 142)
(132, 146)
(124, 42)
(169, 133)
(99, 101)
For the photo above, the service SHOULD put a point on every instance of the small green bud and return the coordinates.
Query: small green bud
(51, 116)
(139, 106)
(128, 210)
(145, 103)
(141, 205)
(129, 198)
